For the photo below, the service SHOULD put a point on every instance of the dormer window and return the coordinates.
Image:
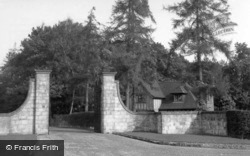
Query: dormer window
(179, 94)
(178, 98)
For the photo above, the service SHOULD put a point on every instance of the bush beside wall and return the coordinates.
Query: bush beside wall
(238, 124)
(83, 120)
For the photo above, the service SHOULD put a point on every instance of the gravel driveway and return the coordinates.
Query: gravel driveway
(84, 143)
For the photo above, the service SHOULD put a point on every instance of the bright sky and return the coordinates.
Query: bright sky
(19, 16)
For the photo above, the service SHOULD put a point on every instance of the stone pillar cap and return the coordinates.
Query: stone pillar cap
(109, 73)
(43, 71)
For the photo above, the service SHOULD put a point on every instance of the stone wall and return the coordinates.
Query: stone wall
(182, 122)
(214, 123)
(42, 102)
(32, 117)
(116, 117)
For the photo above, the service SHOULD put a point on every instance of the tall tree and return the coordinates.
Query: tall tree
(238, 71)
(195, 36)
(70, 49)
(130, 38)
(90, 56)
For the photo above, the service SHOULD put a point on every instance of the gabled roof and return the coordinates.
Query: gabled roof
(166, 91)
(179, 90)
(170, 88)
(154, 89)
(188, 103)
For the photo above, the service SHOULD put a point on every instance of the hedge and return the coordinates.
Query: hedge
(238, 124)
(83, 120)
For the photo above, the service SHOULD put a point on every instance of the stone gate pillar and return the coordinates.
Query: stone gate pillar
(108, 102)
(42, 102)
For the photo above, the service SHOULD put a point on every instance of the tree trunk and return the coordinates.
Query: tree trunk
(87, 97)
(133, 100)
(72, 102)
(128, 96)
(199, 66)
(197, 38)
(97, 106)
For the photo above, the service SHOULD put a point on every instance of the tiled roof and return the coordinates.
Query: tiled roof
(179, 89)
(188, 103)
(166, 91)
(171, 88)
(154, 89)
(168, 86)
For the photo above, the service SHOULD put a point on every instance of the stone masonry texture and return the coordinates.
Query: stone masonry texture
(117, 118)
(212, 123)
(42, 101)
(34, 110)
(180, 122)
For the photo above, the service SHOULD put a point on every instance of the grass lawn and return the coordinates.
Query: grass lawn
(188, 138)
(18, 137)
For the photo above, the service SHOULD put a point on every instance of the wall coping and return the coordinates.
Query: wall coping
(213, 112)
(179, 112)
(126, 109)
(193, 112)
(43, 71)
(109, 73)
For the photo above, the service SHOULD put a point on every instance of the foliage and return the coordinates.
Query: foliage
(170, 65)
(238, 71)
(72, 50)
(12, 84)
(130, 43)
(7, 102)
(195, 36)
(238, 124)
(130, 37)
(77, 53)
(220, 85)
(83, 119)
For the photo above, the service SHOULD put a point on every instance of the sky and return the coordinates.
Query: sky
(20, 16)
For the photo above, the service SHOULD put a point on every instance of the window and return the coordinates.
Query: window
(178, 98)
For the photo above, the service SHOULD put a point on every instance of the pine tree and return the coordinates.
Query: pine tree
(130, 39)
(195, 36)
(92, 46)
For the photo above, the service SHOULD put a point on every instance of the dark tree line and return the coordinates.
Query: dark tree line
(78, 53)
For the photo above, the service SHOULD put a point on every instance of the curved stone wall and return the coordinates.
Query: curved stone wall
(115, 115)
(32, 117)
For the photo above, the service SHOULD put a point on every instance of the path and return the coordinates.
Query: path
(85, 143)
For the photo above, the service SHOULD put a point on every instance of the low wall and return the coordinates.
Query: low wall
(180, 122)
(115, 117)
(183, 122)
(33, 115)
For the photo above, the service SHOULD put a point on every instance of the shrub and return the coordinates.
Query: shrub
(238, 124)
(83, 119)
